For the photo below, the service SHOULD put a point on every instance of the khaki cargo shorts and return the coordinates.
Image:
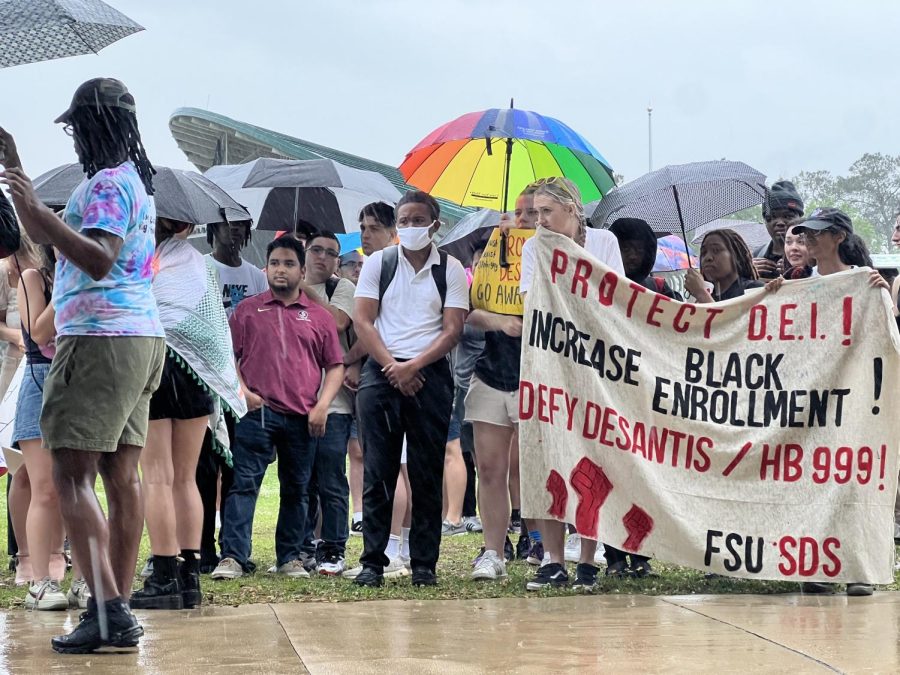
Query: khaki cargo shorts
(97, 393)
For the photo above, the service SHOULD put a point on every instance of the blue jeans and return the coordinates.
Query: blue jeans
(259, 437)
(329, 488)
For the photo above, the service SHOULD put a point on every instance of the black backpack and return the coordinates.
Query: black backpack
(10, 238)
(390, 258)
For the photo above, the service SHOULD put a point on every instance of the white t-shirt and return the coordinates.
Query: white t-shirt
(602, 244)
(342, 298)
(410, 317)
(238, 283)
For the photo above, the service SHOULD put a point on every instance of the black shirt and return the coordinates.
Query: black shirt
(737, 289)
(499, 363)
(767, 253)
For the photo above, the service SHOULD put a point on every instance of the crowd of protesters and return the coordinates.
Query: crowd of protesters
(391, 408)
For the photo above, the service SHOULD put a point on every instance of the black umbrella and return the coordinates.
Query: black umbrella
(312, 194)
(185, 196)
(681, 198)
(42, 30)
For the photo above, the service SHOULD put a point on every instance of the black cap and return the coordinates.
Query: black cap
(783, 196)
(822, 219)
(101, 91)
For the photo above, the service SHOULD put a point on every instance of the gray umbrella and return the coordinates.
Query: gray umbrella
(678, 199)
(185, 196)
(42, 30)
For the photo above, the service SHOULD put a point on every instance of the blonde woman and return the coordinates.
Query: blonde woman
(560, 210)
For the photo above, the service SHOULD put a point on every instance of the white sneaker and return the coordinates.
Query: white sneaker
(228, 568)
(490, 567)
(332, 566)
(473, 524)
(46, 595)
(396, 569)
(78, 594)
(600, 555)
(293, 569)
(353, 573)
(573, 548)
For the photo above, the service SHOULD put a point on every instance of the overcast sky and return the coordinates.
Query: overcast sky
(784, 86)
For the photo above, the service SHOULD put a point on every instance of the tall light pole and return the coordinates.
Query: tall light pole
(650, 137)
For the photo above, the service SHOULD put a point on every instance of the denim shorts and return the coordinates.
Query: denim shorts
(27, 425)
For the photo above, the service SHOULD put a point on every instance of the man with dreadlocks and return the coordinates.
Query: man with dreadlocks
(110, 349)
(239, 279)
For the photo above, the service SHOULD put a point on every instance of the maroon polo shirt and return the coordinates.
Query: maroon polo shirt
(283, 349)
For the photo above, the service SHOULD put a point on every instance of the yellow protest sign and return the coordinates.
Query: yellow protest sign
(496, 288)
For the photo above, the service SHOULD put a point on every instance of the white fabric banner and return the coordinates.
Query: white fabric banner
(755, 437)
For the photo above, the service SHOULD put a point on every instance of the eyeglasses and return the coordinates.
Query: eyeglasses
(319, 250)
(352, 265)
(814, 234)
(69, 130)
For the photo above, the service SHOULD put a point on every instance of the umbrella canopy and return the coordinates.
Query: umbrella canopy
(487, 158)
(313, 194)
(185, 196)
(672, 255)
(681, 198)
(42, 30)
(753, 233)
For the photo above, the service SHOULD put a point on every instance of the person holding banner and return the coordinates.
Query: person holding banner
(727, 264)
(830, 239)
(492, 407)
(560, 210)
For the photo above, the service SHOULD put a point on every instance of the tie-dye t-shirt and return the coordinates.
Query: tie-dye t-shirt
(121, 303)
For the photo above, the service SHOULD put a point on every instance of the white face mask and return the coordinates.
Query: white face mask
(415, 238)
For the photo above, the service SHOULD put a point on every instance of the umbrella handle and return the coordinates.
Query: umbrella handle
(504, 247)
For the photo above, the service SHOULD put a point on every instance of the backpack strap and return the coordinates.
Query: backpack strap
(330, 285)
(389, 259)
(439, 274)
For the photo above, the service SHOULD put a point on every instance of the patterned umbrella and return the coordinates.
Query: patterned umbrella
(42, 30)
(486, 158)
(671, 255)
(683, 197)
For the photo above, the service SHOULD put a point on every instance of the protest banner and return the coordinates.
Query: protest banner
(755, 437)
(496, 288)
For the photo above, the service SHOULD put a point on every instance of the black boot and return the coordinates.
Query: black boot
(120, 628)
(189, 571)
(162, 589)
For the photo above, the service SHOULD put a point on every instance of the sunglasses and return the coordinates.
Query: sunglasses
(319, 250)
(69, 130)
(558, 181)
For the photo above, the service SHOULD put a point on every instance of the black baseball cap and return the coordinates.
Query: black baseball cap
(101, 91)
(824, 218)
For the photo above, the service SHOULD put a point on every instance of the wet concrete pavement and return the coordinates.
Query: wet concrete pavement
(698, 634)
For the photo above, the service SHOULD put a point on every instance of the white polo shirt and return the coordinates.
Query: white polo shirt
(410, 318)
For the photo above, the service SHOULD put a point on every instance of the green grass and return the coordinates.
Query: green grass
(453, 571)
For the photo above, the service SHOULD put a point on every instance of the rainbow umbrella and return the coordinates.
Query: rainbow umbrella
(671, 255)
(486, 158)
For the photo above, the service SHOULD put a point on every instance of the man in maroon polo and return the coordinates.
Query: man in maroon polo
(283, 342)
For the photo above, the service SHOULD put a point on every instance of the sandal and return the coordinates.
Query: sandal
(24, 571)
